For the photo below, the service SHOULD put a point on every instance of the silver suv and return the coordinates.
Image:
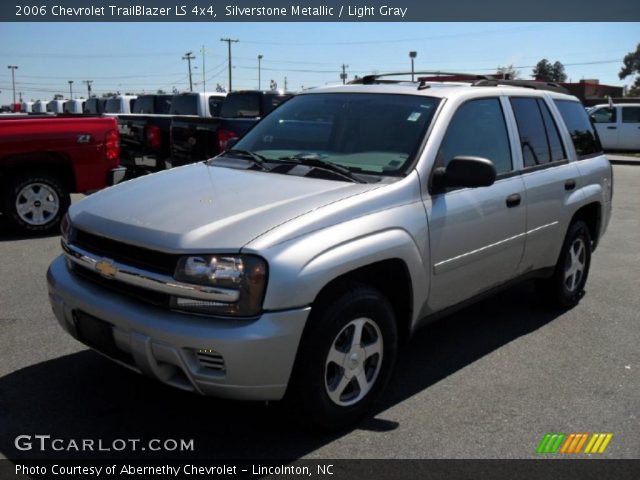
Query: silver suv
(293, 265)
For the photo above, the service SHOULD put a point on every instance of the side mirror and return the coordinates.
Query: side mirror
(469, 172)
(230, 143)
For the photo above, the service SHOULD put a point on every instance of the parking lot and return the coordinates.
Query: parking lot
(487, 382)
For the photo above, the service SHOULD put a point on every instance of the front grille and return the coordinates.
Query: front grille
(151, 260)
(210, 359)
(149, 296)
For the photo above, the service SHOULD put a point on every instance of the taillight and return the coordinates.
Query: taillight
(153, 136)
(112, 145)
(223, 137)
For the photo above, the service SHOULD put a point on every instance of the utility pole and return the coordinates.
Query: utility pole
(259, 60)
(188, 57)
(285, 84)
(88, 83)
(343, 75)
(229, 42)
(13, 80)
(71, 89)
(413, 56)
(204, 81)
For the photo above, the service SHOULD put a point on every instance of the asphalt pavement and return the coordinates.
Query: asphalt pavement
(487, 382)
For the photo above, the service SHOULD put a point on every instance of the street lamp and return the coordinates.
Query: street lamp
(259, 60)
(13, 80)
(412, 55)
(70, 89)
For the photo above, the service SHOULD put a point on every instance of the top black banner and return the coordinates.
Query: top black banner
(319, 11)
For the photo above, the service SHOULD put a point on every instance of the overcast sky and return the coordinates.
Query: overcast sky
(136, 57)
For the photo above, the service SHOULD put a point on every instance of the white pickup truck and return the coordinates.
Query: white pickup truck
(618, 125)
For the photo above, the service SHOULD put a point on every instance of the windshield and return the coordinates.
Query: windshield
(369, 133)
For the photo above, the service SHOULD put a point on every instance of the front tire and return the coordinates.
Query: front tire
(36, 203)
(345, 359)
(566, 286)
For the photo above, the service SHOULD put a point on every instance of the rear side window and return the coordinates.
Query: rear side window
(630, 114)
(583, 135)
(215, 106)
(604, 115)
(241, 105)
(478, 129)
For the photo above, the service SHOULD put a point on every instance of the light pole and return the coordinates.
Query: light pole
(259, 60)
(412, 55)
(71, 89)
(13, 80)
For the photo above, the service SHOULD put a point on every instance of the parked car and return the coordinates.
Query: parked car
(144, 135)
(94, 105)
(40, 106)
(618, 126)
(194, 139)
(293, 265)
(120, 104)
(55, 106)
(44, 159)
(27, 107)
(75, 106)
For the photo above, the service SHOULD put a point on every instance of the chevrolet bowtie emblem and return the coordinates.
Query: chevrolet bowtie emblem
(106, 268)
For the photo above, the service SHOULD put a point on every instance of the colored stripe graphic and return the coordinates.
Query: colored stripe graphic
(598, 443)
(550, 443)
(572, 443)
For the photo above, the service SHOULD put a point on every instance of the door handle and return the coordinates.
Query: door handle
(611, 128)
(570, 184)
(513, 200)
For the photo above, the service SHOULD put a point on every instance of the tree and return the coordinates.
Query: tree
(544, 71)
(631, 66)
(558, 72)
(508, 72)
(160, 92)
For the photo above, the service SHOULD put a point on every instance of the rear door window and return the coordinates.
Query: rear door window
(583, 135)
(532, 132)
(553, 137)
(630, 114)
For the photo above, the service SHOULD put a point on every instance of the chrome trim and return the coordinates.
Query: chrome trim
(149, 280)
(445, 265)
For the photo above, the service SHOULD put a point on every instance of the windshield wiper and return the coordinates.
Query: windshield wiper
(314, 160)
(255, 158)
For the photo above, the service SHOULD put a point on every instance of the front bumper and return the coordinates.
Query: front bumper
(257, 355)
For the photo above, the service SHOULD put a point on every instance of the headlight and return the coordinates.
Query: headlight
(245, 273)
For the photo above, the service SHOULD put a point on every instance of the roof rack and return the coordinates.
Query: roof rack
(534, 84)
(376, 78)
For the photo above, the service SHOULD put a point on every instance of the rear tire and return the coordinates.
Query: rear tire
(345, 359)
(565, 287)
(36, 203)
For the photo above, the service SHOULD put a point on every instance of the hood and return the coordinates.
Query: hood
(200, 208)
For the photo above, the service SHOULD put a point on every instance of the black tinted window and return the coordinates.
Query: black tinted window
(630, 114)
(533, 137)
(241, 105)
(478, 129)
(215, 106)
(184, 104)
(582, 132)
(269, 102)
(162, 104)
(604, 115)
(132, 104)
(553, 137)
(112, 105)
(144, 105)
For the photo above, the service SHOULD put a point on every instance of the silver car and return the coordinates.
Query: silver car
(293, 265)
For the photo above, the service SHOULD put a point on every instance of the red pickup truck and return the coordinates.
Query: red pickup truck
(45, 159)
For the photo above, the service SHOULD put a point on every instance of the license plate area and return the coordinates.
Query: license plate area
(98, 334)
